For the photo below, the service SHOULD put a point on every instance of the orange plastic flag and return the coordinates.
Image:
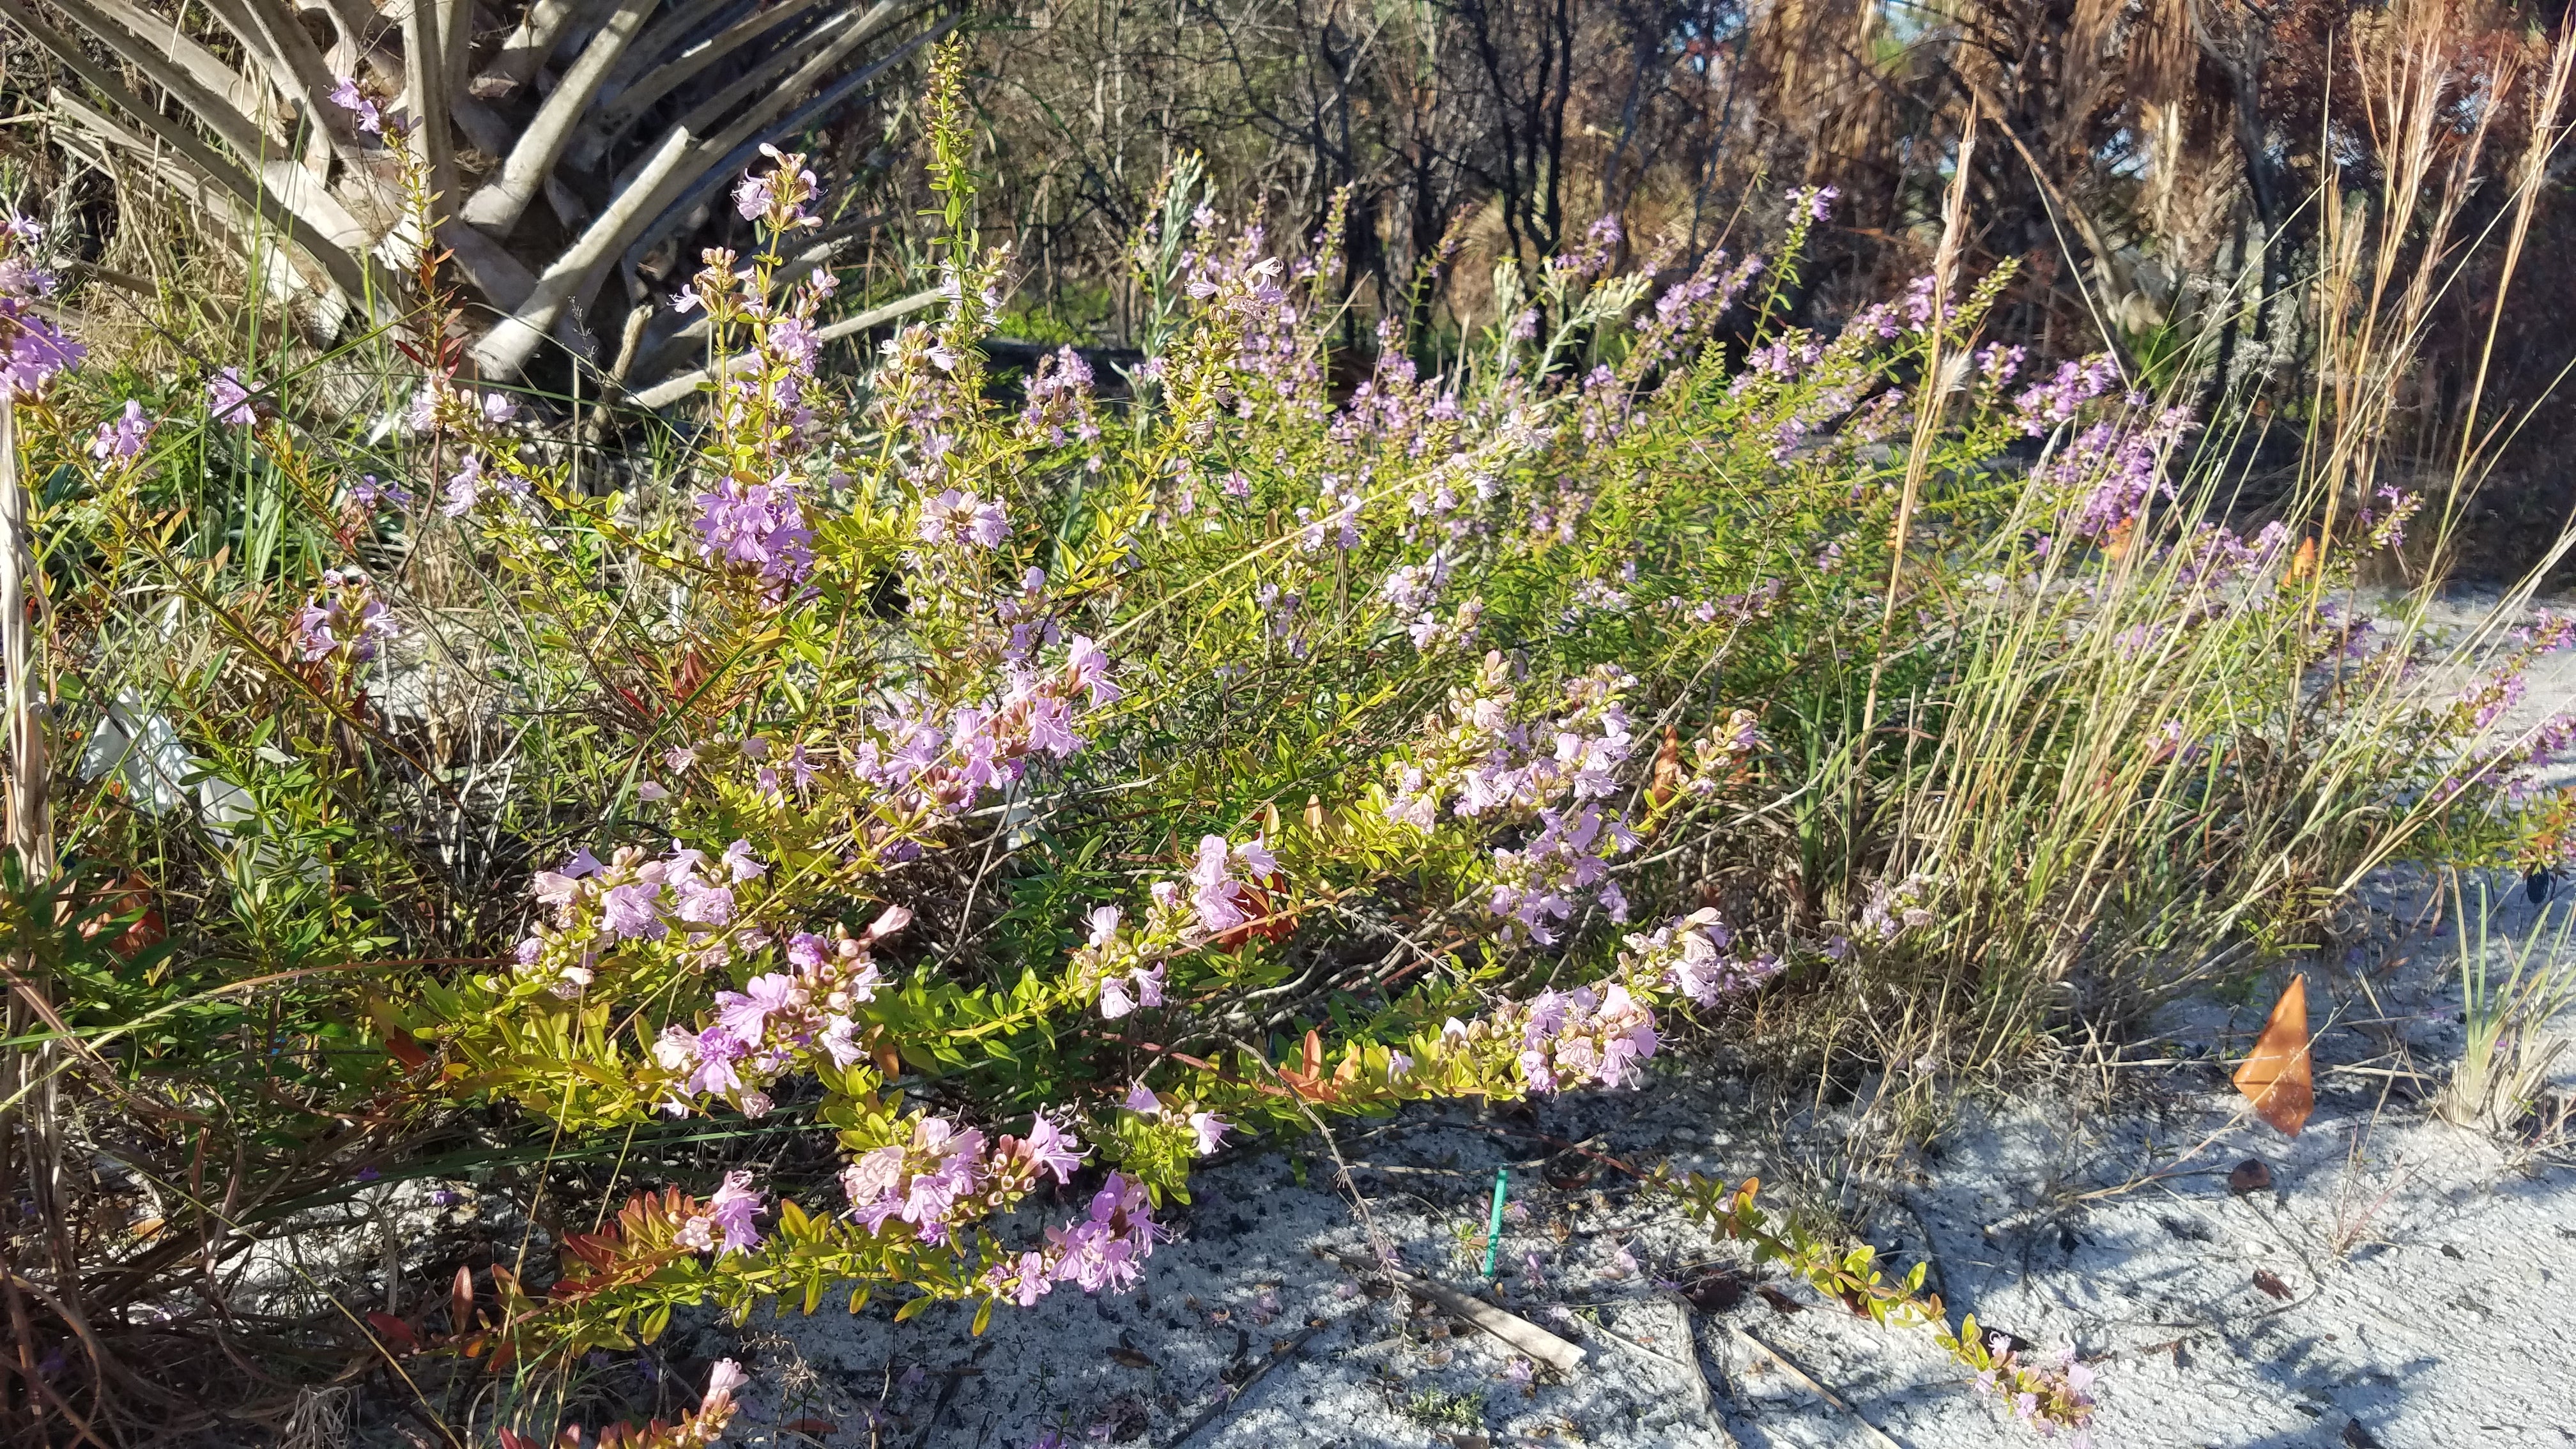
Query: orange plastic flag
(2275, 1078)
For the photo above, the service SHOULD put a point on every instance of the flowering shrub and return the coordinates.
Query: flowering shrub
(1028, 796)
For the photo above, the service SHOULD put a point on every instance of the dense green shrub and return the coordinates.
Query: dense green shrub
(959, 783)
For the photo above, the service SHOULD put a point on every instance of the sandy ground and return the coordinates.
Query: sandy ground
(2426, 1268)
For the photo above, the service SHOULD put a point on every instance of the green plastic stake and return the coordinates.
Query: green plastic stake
(1494, 1229)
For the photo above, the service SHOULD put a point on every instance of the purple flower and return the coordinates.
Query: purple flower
(703, 904)
(872, 1177)
(757, 527)
(633, 911)
(1216, 894)
(746, 1013)
(37, 349)
(1104, 924)
(1052, 1149)
(725, 1377)
(716, 1050)
(795, 342)
(741, 863)
(837, 1040)
(228, 398)
(956, 517)
(1093, 1256)
(369, 490)
(732, 1208)
(348, 97)
(464, 488)
(1209, 1131)
(124, 437)
(1089, 668)
(1257, 859)
(1141, 1099)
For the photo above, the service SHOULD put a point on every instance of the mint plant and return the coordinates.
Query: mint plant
(1017, 791)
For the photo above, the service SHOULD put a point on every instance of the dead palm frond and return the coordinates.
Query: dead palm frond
(585, 142)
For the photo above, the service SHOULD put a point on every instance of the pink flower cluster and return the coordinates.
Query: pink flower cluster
(940, 766)
(1218, 903)
(233, 401)
(1127, 963)
(2120, 467)
(778, 198)
(2046, 405)
(778, 1020)
(957, 518)
(1688, 308)
(726, 1225)
(1412, 591)
(943, 1175)
(767, 419)
(1207, 1130)
(32, 349)
(1105, 1249)
(757, 529)
(122, 438)
(347, 619)
(366, 115)
(1059, 401)
(478, 423)
(2050, 1394)
(1693, 957)
(635, 897)
(1895, 909)
(1557, 773)
(1571, 1039)
(2214, 557)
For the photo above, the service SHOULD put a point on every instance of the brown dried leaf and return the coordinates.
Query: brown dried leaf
(1717, 1292)
(1131, 1358)
(2264, 1279)
(1780, 1302)
(2276, 1078)
(1668, 769)
(2249, 1176)
(2122, 535)
(2303, 566)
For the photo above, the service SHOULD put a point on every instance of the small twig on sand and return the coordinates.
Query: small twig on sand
(1687, 1370)
(1517, 1332)
(1868, 1429)
(1378, 1242)
(1698, 1378)
(948, 1391)
(1231, 1394)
